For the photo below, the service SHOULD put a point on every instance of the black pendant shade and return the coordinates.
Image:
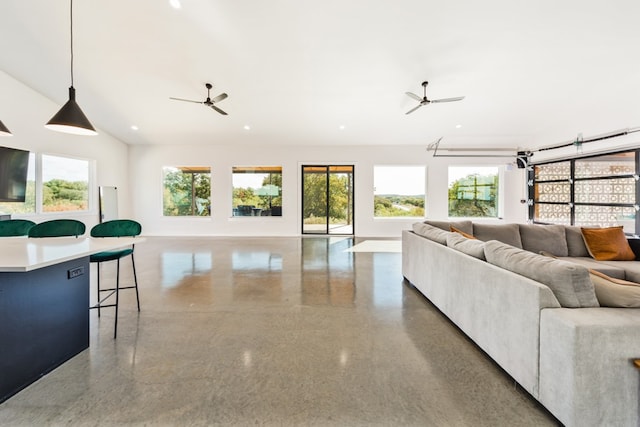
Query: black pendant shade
(71, 119)
(4, 131)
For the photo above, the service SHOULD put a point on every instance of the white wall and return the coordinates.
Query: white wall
(25, 112)
(137, 172)
(146, 164)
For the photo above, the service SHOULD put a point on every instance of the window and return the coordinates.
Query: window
(473, 191)
(29, 205)
(398, 191)
(591, 191)
(65, 184)
(186, 191)
(257, 191)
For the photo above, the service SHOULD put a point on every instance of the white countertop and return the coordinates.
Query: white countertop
(21, 254)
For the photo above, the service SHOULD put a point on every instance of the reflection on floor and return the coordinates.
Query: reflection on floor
(377, 246)
(274, 331)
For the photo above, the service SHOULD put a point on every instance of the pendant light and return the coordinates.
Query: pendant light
(4, 131)
(70, 118)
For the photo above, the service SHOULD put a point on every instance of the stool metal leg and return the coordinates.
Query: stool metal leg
(98, 294)
(135, 280)
(115, 326)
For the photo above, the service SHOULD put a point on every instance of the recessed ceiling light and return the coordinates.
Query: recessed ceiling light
(458, 126)
(341, 127)
(247, 127)
(175, 4)
(134, 127)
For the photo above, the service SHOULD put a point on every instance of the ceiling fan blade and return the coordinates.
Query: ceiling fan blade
(414, 109)
(219, 97)
(459, 98)
(186, 100)
(218, 110)
(414, 96)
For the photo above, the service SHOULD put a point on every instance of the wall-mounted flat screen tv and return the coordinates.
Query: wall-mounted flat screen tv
(14, 165)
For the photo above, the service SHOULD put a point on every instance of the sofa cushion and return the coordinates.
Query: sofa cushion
(505, 233)
(570, 283)
(548, 238)
(575, 241)
(472, 247)
(607, 244)
(615, 292)
(631, 269)
(466, 226)
(430, 232)
(613, 268)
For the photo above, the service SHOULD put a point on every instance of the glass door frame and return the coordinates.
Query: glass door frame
(351, 197)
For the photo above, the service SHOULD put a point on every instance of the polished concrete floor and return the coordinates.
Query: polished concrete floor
(274, 331)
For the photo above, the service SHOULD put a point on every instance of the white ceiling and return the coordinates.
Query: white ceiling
(534, 73)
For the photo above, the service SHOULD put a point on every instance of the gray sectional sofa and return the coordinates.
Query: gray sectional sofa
(538, 317)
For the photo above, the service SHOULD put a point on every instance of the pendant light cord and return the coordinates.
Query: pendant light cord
(71, 20)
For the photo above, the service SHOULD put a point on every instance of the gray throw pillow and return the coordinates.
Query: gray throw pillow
(569, 282)
(431, 232)
(472, 247)
(466, 226)
(575, 242)
(547, 238)
(505, 233)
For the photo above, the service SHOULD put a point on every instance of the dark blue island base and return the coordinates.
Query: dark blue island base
(44, 321)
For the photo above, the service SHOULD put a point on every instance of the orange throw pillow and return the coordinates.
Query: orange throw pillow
(607, 244)
(455, 230)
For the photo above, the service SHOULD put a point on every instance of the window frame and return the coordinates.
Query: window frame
(91, 191)
(39, 187)
(499, 196)
(258, 170)
(162, 189)
(572, 181)
(424, 194)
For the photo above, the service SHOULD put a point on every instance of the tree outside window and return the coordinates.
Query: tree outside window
(186, 191)
(65, 184)
(473, 191)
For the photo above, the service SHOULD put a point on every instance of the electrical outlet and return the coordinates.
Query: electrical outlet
(75, 272)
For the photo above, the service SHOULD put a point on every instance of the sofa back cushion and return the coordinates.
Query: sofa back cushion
(464, 226)
(570, 283)
(575, 242)
(472, 247)
(431, 232)
(547, 238)
(505, 233)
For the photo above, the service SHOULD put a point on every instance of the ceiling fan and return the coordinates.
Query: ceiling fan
(209, 102)
(424, 101)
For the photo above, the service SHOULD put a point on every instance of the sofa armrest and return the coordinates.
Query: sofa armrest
(587, 371)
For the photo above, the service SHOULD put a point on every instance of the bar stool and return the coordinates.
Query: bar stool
(15, 227)
(115, 228)
(58, 228)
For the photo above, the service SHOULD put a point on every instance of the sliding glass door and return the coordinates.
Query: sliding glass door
(327, 199)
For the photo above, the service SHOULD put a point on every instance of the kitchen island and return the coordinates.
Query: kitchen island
(44, 304)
